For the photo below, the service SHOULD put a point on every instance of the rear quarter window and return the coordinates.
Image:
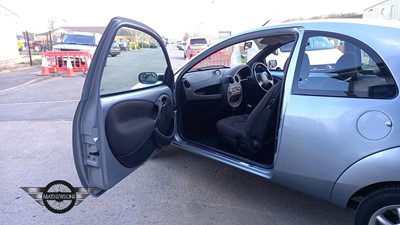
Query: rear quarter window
(357, 72)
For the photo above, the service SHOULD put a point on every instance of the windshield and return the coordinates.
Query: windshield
(78, 39)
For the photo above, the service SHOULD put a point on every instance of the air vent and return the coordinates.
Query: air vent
(217, 72)
(186, 84)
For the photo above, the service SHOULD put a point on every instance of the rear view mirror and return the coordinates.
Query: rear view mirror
(272, 64)
(148, 78)
(247, 45)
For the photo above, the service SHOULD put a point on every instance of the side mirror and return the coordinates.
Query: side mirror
(148, 78)
(272, 64)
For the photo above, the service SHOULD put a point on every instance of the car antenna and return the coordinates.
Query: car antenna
(269, 20)
(266, 22)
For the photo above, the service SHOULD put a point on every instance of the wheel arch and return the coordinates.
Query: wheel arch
(358, 196)
(369, 174)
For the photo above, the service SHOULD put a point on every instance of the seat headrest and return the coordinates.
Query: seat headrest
(346, 66)
(305, 67)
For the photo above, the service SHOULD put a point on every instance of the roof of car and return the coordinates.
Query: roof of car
(372, 31)
(368, 22)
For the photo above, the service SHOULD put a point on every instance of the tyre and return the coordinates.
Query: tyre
(380, 207)
(38, 48)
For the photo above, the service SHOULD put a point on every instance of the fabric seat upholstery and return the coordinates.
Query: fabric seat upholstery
(346, 66)
(249, 133)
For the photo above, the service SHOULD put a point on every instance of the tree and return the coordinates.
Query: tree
(185, 36)
(52, 23)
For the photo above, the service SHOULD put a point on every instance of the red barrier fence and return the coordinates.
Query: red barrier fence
(219, 58)
(68, 61)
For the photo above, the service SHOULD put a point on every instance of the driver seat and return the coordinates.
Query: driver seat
(248, 134)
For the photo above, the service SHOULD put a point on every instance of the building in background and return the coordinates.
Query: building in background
(9, 23)
(389, 9)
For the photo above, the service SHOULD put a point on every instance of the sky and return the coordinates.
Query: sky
(172, 18)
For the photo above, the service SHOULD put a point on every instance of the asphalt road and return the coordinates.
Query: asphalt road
(176, 187)
(121, 72)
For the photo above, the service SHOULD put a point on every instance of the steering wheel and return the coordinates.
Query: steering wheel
(263, 76)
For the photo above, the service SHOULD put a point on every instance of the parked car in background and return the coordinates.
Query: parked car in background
(114, 50)
(153, 45)
(178, 44)
(182, 46)
(78, 41)
(321, 52)
(332, 133)
(123, 46)
(194, 46)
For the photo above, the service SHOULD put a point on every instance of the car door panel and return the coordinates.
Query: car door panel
(119, 122)
(139, 119)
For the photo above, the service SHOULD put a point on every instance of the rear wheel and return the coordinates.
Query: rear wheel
(379, 208)
(38, 48)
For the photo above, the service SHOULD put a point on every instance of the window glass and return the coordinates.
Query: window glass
(198, 41)
(342, 67)
(244, 52)
(319, 43)
(132, 53)
(78, 39)
(228, 57)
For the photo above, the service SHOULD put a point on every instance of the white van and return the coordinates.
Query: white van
(320, 50)
(78, 41)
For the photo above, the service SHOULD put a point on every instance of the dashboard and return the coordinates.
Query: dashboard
(225, 84)
(217, 84)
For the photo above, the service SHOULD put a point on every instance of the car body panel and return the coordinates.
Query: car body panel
(104, 151)
(231, 161)
(300, 152)
(322, 142)
(378, 168)
(313, 165)
(304, 176)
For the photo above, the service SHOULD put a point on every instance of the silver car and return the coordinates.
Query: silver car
(330, 130)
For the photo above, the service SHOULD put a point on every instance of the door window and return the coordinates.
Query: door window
(342, 66)
(132, 53)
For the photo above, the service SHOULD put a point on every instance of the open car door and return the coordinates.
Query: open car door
(125, 113)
